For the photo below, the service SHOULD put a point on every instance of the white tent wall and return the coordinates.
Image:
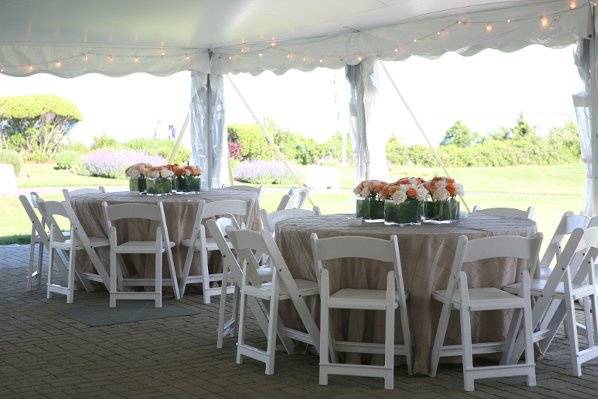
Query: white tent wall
(208, 131)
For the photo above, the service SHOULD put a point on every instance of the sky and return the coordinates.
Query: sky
(486, 91)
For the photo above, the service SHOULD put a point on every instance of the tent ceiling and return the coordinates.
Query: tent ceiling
(116, 37)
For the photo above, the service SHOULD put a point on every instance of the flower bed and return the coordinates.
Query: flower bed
(112, 164)
(263, 172)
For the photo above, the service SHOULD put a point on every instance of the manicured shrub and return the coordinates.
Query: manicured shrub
(67, 159)
(12, 158)
(112, 163)
(36, 124)
(252, 141)
(263, 172)
(105, 141)
(162, 148)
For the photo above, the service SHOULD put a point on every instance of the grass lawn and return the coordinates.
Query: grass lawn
(551, 190)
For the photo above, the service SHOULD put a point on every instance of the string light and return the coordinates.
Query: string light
(321, 60)
(58, 64)
(260, 54)
(572, 5)
(544, 22)
(162, 53)
(489, 27)
(509, 20)
(230, 57)
(85, 57)
(1, 69)
(289, 56)
(304, 59)
(273, 43)
(30, 68)
(187, 57)
(459, 22)
(136, 60)
(110, 59)
(415, 40)
(359, 58)
(396, 50)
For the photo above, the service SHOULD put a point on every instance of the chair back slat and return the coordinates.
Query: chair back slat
(217, 232)
(250, 247)
(294, 199)
(355, 247)
(81, 191)
(502, 247)
(35, 221)
(226, 207)
(512, 213)
(52, 208)
(133, 211)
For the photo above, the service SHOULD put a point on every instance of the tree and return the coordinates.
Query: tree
(522, 129)
(36, 124)
(460, 135)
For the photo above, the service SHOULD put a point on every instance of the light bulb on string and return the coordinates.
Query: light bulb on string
(110, 58)
(1, 69)
(572, 4)
(260, 54)
(396, 50)
(85, 57)
(304, 59)
(321, 60)
(289, 56)
(544, 21)
(136, 60)
(415, 40)
(509, 20)
(459, 22)
(30, 68)
(58, 64)
(187, 57)
(489, 27)
(359, 58)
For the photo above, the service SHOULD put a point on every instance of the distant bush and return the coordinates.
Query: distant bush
(12, 158)
(105, 141)
(162, 148)
(234, 150)
(67, 159)
(263, 172)
(112, 163)
(74, 146)
(36, 124)
(252, 141)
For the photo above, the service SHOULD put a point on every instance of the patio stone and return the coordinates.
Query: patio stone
(45, 354)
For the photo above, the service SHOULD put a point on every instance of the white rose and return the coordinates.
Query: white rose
(166, 173)
(441, 194)
(400, 195)
(422, 193)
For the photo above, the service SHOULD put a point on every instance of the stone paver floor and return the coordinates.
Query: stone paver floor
(45, 354)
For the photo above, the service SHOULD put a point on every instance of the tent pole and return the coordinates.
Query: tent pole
(420, 128)
(269, 138)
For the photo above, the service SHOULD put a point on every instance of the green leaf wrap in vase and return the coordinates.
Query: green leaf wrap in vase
(137, 184)
(369, 208)
(188, 184)
(406, 212)
(442, 211)
(159, 185)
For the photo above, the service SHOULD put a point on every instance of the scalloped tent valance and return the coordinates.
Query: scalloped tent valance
(118, 37)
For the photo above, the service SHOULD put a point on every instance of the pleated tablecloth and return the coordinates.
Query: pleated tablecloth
(426, 256)
(180, 211)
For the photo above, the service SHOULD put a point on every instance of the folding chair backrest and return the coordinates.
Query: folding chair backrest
(294, 199)
(34, 199)
(568, 223)
(133, 211)
(238, 208)
(270, 220)
(35, 220)
(324, 249)
(49, 211)
(217, 229)
(81, 191)
(512, 213)
(250, 246)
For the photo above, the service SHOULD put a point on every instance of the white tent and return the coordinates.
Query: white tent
(211, 38)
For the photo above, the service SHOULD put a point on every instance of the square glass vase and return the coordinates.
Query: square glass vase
(369, 208)
(158, 185)
(407, 212)
(442, 211)
(137, 184)
(188, 184)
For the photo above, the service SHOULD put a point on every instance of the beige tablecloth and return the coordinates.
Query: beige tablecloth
(426, 257)
(180, 210)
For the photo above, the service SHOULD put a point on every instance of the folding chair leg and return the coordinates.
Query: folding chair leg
(389, 336)
(324, 337)
(40, 262)
(31, 260)
(272, 328)
(205, 272)
(113, 272)
(587, 311)
(571, 328)
(222, 309)
(241, 334)
(514, 328)
(439, 338)
(406, 335)
(529, 346)
(186, 269)
(71, 274)
(158, 300)
(50, 267)
(468, 380)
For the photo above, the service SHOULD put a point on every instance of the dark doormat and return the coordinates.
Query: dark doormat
(125, 312)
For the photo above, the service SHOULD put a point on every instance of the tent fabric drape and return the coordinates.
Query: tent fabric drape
(582, 112)
(370, 156)
(208, 132)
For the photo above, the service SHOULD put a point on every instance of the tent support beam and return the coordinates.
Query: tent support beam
(420, 128)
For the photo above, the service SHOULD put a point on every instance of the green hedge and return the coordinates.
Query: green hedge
(12, 158)
(68, 159)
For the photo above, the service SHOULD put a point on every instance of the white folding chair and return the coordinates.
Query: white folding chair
(270, 220)
(81, 191)
(572, 279)
(157, 247)
(77, 241)
(387, 300)
(250, 246)
(294, 199)
(39, 238)
(232, 275)
(458, 296)
(200, 243)
(511, 213)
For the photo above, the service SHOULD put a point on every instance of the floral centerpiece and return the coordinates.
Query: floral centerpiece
(137, 175)
(159, 180)
(188, 178)
(404, 200)
(443, 207)
(369, 204)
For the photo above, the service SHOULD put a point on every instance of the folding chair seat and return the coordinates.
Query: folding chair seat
(250, 246)
(387, 300)
(201, 244)
(158, 247)
(76, 241)
(458, 296)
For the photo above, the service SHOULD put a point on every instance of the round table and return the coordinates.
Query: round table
(180, 211)
(426, 256)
